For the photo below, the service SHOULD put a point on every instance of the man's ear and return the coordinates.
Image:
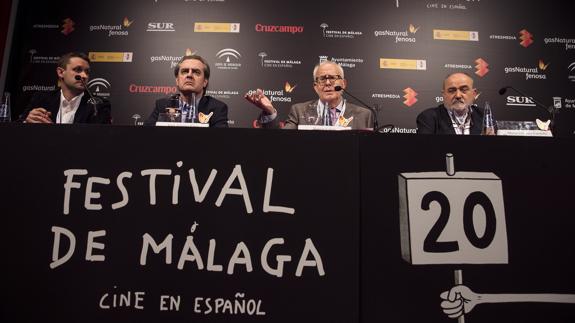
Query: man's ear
(60, 72)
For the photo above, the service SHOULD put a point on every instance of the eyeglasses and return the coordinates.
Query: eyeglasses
(324, 78)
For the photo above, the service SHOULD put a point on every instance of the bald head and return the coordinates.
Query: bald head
(458, 93)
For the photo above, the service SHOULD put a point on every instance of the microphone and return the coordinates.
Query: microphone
(374, 111)
(94, 101)
(550, 109)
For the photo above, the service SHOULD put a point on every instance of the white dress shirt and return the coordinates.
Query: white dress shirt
(68, 109)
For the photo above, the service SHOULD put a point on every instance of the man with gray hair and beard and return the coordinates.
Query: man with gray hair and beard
(458, 114)
(329, 109)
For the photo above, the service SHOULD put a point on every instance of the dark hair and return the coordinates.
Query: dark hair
(65, 59)
(196, 57)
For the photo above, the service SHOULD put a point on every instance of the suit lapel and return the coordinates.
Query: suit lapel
(203, 105)
(84, 109)
(445, 121)
(54, 104)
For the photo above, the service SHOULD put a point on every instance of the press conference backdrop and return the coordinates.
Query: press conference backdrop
(395, 52)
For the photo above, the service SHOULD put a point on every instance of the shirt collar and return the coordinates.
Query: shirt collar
(75, 99)
(339, 107)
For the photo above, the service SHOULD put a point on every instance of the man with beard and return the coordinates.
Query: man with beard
(457, 115)
(330, 109)
(192, 77)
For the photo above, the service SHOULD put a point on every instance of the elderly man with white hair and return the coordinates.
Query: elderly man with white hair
(330, 109)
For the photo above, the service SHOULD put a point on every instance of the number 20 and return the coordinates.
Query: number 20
(476, 198)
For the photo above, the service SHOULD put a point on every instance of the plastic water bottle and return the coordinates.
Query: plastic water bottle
(488, 122)
(5, 113)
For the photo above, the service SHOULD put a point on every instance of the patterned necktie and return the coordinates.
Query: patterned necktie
(333, 116)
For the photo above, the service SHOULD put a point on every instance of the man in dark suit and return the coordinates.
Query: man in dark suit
(192, 77)
(71, 103)
(331, 109)
(457, 114)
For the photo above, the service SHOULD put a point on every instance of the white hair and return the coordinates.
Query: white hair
(325, 63)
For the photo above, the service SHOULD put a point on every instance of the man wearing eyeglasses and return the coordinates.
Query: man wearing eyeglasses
(329, 109)
(192, 76)
(457, 115)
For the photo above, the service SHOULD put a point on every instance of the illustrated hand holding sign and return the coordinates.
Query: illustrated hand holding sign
(458, 218)
(452, 218)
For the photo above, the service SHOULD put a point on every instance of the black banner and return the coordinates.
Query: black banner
(517, 187)
(192, 226)
(275, 226)
(395, 53)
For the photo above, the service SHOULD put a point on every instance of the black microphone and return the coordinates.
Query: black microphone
(94, 101)
(375, 122)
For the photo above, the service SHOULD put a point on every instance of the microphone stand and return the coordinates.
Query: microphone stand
(375, 121)
(325, 114)
(94, 101)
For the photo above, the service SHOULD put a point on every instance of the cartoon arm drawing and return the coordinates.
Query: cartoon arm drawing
(461, 300)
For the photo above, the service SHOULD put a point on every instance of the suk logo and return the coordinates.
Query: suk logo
(330, 33)
(100, 87)
(161, 26)
(228, 59)
(520, 101)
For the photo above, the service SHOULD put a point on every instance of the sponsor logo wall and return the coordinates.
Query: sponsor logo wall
(395, 53)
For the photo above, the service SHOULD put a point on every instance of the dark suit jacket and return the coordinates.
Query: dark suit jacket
(437, 121)
(207, 104)
(85, 113)
(306, 114)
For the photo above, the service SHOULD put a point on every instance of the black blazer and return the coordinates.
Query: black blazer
(85, 113)
(207, 104)
(437, 121)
